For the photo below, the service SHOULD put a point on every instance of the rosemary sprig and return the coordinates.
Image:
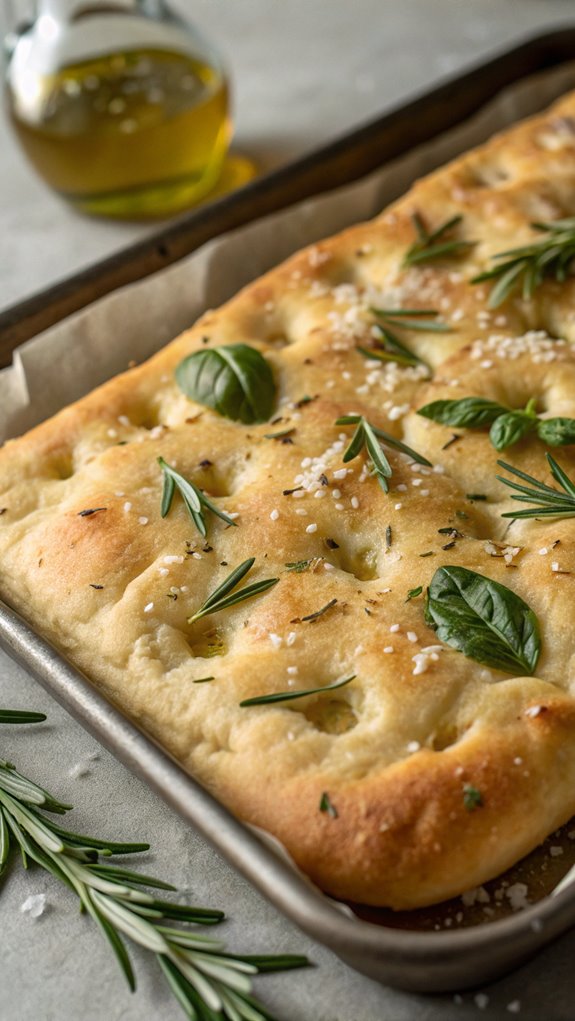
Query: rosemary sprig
(20, 716)
(194, 498)
(526, 267)
(368, 436)
(208, 983)
(548, 501)
(390, 347)
(435, 244)
(223, 597)
(288, 696)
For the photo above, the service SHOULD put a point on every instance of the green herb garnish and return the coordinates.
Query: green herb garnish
(195, 500)
(471, 797)
(549, 502)
(20, 716)
(412, 319)
(368, 436)
(203, 680)
(483, 619)
(206, 981)
(325, 805)
(235, 380)
(301, 565)
(507, 426)
(436, 244)
(319, 613)
(223, 597)
(288, 696)
(391, 348)
(414, 592)
(524, 269)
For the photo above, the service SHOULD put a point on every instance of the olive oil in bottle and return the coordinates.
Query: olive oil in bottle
(137, 132)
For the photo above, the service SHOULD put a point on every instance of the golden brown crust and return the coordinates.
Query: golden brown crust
(394, 749)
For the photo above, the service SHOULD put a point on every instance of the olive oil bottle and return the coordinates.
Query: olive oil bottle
(123, 114)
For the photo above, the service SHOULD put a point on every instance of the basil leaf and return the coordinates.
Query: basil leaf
(469, 412)
(483, 619)
(557, 432)
(510, 428)
(234, 380)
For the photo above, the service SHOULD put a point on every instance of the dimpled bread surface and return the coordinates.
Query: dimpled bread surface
(396, 748)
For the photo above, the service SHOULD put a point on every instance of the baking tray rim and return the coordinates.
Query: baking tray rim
(416, 961)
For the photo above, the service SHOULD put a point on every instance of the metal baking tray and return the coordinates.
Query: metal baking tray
(418, 951)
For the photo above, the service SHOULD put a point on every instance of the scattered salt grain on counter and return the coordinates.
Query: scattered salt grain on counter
(555, 851)
(80, 770)
(481, 1000)
(34, 905)
(514, 1007)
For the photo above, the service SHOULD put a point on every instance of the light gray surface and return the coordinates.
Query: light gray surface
(304, 71)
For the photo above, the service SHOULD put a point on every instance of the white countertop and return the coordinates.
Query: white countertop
(304, 72)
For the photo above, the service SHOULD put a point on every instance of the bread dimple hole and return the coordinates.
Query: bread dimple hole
(489, 175)
(207, 642)
(212, 478)
(329, 715)
(361, 562)
(61, 467)
(277, 341)
(444, 737)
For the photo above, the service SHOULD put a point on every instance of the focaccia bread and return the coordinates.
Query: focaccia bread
(429, 772)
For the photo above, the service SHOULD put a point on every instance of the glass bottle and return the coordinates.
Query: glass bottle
(121, 107)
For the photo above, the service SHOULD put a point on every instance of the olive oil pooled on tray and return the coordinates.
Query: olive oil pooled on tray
(134, 133)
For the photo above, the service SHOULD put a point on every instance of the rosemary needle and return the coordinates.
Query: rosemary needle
(195, 500)
(288, 696)
(548, 502)
(208, 983)
(436, 244)
(526, 267)
(223, 597)
(368, 436)
(20, 716)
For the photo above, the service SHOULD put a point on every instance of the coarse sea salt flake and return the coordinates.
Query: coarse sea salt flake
(34, 905)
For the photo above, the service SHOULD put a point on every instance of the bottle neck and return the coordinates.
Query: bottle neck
(71, 10)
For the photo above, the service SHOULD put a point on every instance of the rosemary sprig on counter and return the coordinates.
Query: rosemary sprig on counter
(524, 269)
(194, 498)
(20, 716)
(289, 696)
(435, 244)
(223, 596)
(368, 436)
(208, 983)
(548, 502)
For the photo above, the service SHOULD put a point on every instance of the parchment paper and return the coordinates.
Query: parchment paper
(68, 360)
